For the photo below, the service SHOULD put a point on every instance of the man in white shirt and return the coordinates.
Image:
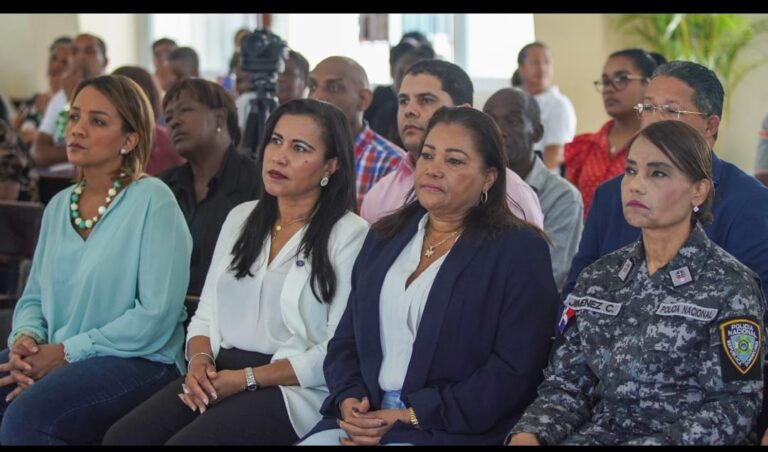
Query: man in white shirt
(557, 114)
(89, 54)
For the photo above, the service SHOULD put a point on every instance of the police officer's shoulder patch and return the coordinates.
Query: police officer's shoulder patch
(740, 342)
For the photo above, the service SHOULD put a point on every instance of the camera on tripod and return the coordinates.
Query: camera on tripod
(262, 57)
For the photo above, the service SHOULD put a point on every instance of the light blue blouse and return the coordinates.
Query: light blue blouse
(118, 293)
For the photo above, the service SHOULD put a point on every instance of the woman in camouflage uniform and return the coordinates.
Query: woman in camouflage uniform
(666, 346)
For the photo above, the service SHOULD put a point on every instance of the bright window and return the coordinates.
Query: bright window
(493, 41)
(211, 35)
(485, 45)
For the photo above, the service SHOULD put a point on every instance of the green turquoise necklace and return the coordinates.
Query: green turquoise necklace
(75, 207)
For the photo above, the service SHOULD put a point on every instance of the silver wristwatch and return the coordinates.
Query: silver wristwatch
(250, 380)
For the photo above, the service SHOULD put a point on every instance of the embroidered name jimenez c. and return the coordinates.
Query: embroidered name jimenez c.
(687, 310)
(593, 304)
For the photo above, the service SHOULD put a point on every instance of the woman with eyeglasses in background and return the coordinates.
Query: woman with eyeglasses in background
(593, 158)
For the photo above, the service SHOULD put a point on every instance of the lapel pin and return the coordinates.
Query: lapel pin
(681, 276)
(624, 272)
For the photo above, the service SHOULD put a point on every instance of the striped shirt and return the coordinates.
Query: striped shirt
(375, 157)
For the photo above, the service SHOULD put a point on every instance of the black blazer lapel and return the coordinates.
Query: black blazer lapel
(439, 298)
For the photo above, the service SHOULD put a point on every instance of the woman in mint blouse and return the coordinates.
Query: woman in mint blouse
(99, 326)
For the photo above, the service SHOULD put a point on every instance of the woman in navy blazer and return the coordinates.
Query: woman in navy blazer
(461, 359)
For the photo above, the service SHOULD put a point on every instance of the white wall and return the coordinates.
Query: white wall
(335, 34)
(493, 42)
(737, 140)
(24, 54)
(578, 47)
(579, 43)
(119, 32)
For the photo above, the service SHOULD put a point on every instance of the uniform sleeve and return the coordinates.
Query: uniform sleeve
(563, 403)
(308, 366)
(163, 275)
(732, 404)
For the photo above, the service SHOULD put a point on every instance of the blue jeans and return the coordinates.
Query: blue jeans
(78, 402)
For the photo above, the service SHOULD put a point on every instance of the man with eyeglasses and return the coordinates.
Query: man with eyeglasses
(689, 92)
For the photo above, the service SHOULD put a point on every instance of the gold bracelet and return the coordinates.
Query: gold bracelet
(413, 419)
(208, 355)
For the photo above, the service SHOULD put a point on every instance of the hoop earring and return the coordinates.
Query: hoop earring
(324, 181)
(484, 197)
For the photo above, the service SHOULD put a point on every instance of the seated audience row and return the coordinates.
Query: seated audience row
(456, 224)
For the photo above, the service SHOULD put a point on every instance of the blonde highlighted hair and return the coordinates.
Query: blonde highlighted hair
(136, 116)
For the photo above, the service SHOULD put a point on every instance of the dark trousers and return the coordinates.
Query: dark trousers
(259, 417)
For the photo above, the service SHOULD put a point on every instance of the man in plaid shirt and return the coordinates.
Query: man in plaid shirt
(344, 83)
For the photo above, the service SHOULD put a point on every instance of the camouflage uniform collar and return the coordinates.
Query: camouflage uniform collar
(678, 273)
(692, 256)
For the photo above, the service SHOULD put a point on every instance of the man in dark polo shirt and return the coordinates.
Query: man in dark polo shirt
(202, 126)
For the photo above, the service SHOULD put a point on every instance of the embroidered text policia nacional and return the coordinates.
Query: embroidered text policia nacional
(687, 310)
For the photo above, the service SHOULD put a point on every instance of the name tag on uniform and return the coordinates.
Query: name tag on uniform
(690, 311)
(593, 304)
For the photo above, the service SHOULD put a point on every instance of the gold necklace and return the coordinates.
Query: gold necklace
(431, 248)
(279, 227)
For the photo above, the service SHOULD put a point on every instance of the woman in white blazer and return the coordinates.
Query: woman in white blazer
(276, 289)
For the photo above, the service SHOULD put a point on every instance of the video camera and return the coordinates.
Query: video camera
(262, 56)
